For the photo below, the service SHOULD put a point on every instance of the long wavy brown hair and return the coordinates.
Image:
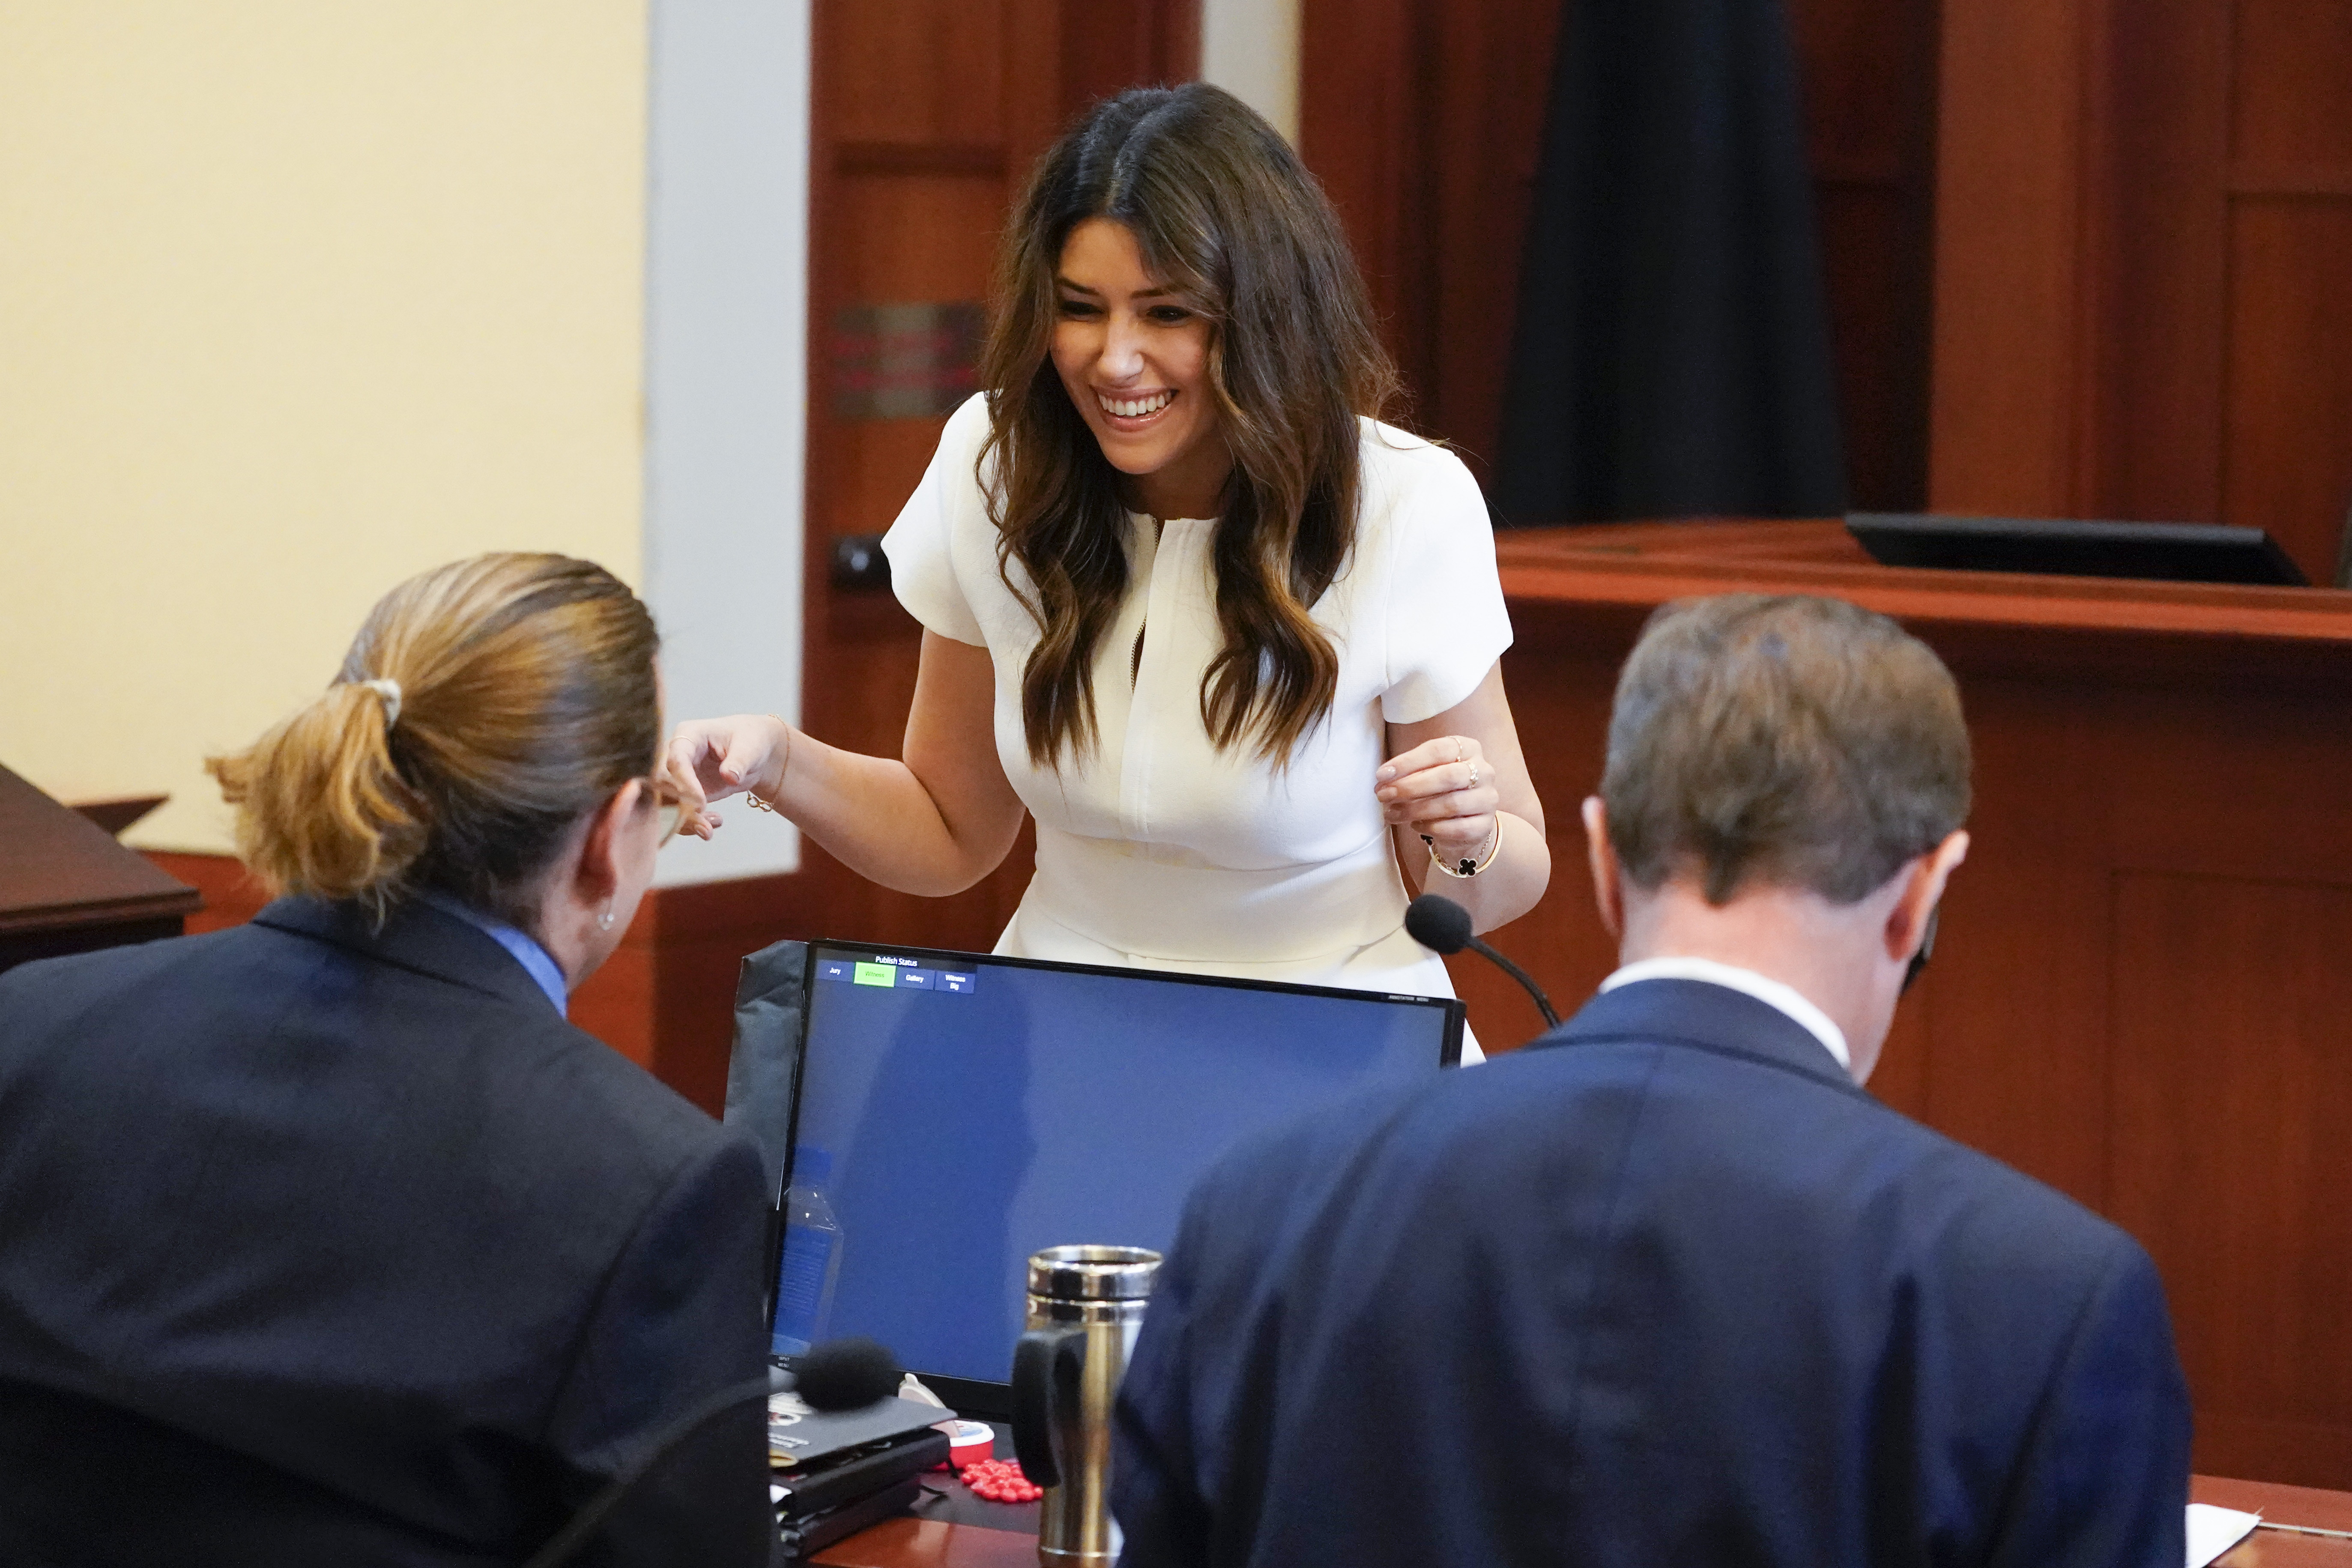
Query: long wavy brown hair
(1223, 212)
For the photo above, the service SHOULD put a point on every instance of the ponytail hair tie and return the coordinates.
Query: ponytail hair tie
(389, 690)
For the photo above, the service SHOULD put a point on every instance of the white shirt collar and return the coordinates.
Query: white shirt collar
(1787, 998)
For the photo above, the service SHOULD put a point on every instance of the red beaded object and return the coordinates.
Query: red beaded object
(1000, 1480)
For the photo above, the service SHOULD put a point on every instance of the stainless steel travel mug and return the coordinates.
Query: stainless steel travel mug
(1086, 1305)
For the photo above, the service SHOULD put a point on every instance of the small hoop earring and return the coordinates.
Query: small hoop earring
(604, 921)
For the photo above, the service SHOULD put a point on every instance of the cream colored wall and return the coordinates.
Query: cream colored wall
(296, 297)
(1250, 48)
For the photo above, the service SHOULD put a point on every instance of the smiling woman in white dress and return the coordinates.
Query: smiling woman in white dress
(1185, 599)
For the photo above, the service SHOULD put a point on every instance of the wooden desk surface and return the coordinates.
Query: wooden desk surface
(1632, 561)
(1611, 576)
(60, 870)
(2282, 1505)
(926, 1544)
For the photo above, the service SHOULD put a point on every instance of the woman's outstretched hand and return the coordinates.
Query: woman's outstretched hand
(710, 759)
(1444, 789)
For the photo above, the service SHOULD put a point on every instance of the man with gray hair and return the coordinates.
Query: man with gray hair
(1668, 1286)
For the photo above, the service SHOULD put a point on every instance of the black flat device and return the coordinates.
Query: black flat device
(953, 1113)
(2165, 552)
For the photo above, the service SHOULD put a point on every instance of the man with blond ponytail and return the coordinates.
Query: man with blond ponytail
(327, 1239)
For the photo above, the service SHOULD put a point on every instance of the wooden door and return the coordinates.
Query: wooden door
(927, 115)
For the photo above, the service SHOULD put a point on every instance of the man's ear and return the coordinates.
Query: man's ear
(596, 876)
(1906, 922)
(1608, 889)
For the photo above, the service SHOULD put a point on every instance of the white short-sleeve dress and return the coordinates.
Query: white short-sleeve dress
(1157, 850)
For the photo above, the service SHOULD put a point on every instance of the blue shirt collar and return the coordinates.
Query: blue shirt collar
(527, 951)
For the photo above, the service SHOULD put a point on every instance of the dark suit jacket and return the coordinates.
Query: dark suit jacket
(325, 1245)
(1664, 1288)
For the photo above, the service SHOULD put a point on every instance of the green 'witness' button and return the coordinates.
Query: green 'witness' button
(882, 975)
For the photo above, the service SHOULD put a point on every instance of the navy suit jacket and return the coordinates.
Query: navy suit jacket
(326, 1245)
(1663, 1288)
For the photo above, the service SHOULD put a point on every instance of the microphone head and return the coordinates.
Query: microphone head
(1438, 924)
(847, 1374)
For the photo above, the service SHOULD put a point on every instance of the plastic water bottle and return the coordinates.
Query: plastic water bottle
(812, 1256)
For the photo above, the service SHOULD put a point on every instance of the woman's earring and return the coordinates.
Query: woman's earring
(604, 921)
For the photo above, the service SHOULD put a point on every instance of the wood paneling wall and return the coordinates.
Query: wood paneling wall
(2229, 1161)
(1869, 73)
(1424, 120)
(2144, 232)
(2144, 239)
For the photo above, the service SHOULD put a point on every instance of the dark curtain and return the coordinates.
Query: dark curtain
(1672, 356)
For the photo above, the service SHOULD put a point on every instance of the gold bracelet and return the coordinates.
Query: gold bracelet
(1469, 868)
(752, 797)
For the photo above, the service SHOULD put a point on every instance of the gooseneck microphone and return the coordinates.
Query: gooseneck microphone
(1441, 925)
(835, 1374)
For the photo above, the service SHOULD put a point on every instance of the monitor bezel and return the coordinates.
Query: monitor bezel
(977, 1396)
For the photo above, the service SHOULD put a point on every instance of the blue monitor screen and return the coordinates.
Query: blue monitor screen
(955, 1113)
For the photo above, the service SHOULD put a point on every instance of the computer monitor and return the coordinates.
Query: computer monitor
(954, 1112)
(2165, 551)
